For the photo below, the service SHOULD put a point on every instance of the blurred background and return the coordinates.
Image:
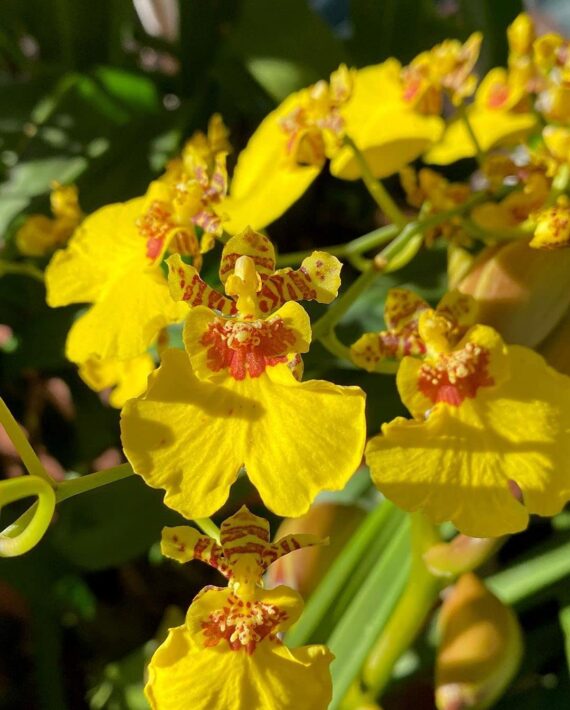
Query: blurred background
(103, 94)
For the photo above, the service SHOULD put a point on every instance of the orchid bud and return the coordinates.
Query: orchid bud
(480, 647)
(304, 568)
(521, 292)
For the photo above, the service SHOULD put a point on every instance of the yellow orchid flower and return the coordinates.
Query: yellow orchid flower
(446, 68)
(402, 312)
(232, 398)
(500, 115)
(432, 193)
(551, 57)
(113, 260)
(112, 263)
(388, 128)
(554, 151)
(514, 210)
(39, 235)
(489, 443)
(552, 229)
(287, 152)
(127, 378)
(228, 652)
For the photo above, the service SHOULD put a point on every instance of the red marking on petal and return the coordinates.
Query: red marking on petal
(154, 225)
(247, 347)
(498, 95)
(241, 625)
(456, 376)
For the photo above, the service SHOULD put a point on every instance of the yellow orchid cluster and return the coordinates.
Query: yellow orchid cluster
(488, 441)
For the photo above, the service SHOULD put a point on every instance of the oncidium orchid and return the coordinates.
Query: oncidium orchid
(113, 260)
(232, 399)
(228, 653)
(287, 152)
(502, 111)
(489, 443)
(402, 311)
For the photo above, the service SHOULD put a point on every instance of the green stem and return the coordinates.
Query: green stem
(378, 192)
(28, 530)
(325, 324)
(410, 613)
(334, 346)
(18, 267)
(91, 481)
(22, 445)
(479, 154)
(207, 526)
(357, 246)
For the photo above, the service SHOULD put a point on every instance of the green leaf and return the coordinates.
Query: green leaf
(369, 611)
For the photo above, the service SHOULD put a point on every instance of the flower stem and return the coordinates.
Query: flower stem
(479, 154)
(207, 526)
(355, 247)
(378, 192)
(23, 268)
(410, 613)
(25, 533)
(325, 324)
(334, 346)
(22, 445)
(91, 481)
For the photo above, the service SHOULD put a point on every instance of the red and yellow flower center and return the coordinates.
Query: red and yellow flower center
(243, 624)
(247, 347)
(154, 225)
(456, 376)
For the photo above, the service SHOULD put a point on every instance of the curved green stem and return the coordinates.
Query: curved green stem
(325, 324)
(22, 445)
(377, 191)
(28, 530)
(334, 346)
(410, 613)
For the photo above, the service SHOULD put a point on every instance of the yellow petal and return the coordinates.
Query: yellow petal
(247, 243)
(192, 437)
(492, 129)
(125, 320)
(127, 377)
(389, 138)
(186, 284)
(183, 674)
(105, 245)
(459, 463)
(266, 182)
